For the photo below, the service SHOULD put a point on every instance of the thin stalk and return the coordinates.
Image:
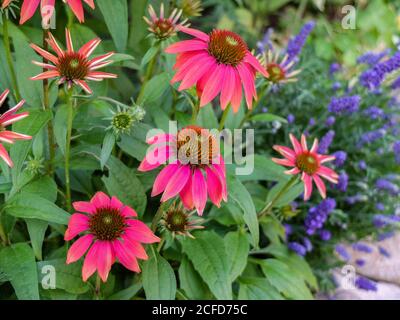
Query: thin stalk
(195, 111)
(267, 209)
(157, 217)
(10, 62)
(70, 118)
(46, 106)
(97, 289)
(161, 244)
(224, 117)
(148, 75)
(3, 235)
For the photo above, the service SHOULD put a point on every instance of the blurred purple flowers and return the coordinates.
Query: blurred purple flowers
(344, 105)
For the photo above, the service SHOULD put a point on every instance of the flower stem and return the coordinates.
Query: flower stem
(148, 75)
(68, 148)
(195, 111)
(46, 106)
(267, 209)
(161, 244)
(3, 235)
(157, 217)
(10, 62)
(97, 289)
(224, 117)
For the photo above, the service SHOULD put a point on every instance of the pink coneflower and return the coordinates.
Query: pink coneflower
(7, 118)
(73, 67)
(308, 163)
(29, 7)
(111, 231)
(196, 167)
(218, 63)
(279, 71)
(163, 27)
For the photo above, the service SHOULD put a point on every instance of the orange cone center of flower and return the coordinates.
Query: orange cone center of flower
(196, 146)
(307, 163)
(227, 47)
(276, 72)
(163, 27)
(73, 66)
(107, 224)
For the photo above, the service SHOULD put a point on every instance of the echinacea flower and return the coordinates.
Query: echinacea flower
(191, 8)
(279, 71)
(196, 167)
(109, 230)
(73, 67)
(217, 63)
(7, 118)
(178, 221)
(163, 27)
(308, 163)
(29, 7)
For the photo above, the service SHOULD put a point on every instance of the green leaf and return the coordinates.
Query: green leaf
(68, 276)
(116, 17)
(60, 128)
(237, 249)
(150, 54)
(123, 183)
(18, 263)
(265, 169)
(242, 198)
(128, 293)
(37, 230)
(267, 117)
(206, 117)
(288, 197)
(108, 145)
(31, 126)
(209, 258)
(254, 288)
(158, 278)
(191, 282)
(285, 280)
(31, 206)
(155, 88)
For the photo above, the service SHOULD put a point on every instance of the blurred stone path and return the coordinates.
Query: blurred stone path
(378, 261)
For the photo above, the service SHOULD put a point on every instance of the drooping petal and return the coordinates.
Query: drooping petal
(199, 191)
(236, 99)
(79, 248)
(128, 212)
(135, 247)
(189, 66)
(320, 185)
(283, 162)
(161, 138)
(77, 223)
(105, 259)
(195, 33)
(197, 72)
(155, 157)
(14, 135)
(28, 9)
(90, 263)
(186, 195)
(140, 232)
(163, 178)
(307, 186)
(46, 75)
(293, 171)
(286, 152)
(115, 203)
(176, 183)
(84, 86)
(213, 86)
(44, 53)
(249, 58)
(325, 158)
(328, 174)
(125, 256)
(214, 187)
(77, 9)
(248, 84)
(4, 155)
(3, 96)
(228, 87)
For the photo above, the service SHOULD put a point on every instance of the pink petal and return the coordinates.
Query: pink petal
(236, 99)
(228, 87)
(195, 33)
(115, 203)
(199, 191)
(161, 138)
(189, 67)
(125, 256)
(10, 113)
(4, 155)
(44, 53)
(292, 171)
(155, 157)
(100, 200)
(84, 86)
(3, 96)
(28, 9)
(320, 185)
(140, 232)
(79, 248)
(197, 71)
(286, 152)
(46, 75)
(328, 174)
(105, 259)
(307, 186)
(214, 187)
(83, 206)
(296, 144)
(186, 195)
(135, 247)
(14, 135)
(77, 8)
(324, 158)
(176, 183)
(314, 147)
(304, 143)
(163, 178)
(128, 212)
(213, 86)
(249, 58)
(248, 84)
(54, 45)
(87, 49)
(185, 46)
(77, 223)
(90, 3)
(284, 162)
(90, 263)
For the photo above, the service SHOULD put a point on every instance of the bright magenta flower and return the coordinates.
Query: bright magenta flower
(73, 67)
(29, 7)
(218, 63)
(196, 168)
(111, 231)
(308, 163)
(7, 118)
